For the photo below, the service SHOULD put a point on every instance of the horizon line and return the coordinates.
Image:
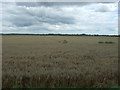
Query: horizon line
(58, 34)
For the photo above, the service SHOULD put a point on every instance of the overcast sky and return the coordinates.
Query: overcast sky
(60, 18)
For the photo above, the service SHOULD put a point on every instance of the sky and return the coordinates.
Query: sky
(60, 18)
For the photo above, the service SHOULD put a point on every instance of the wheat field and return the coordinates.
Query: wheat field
(59, 61)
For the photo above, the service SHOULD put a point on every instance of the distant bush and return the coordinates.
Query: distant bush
(109, 42)
(101, 42)
(65, 41)
(106, 42)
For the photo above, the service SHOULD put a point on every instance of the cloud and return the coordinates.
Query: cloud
(26, 16)
(77, 18)
(50, 4)
(105, 7)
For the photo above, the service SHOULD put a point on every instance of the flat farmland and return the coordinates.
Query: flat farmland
(59, 61)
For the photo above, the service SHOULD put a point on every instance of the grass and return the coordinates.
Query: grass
(17, 86)
(115, 87)
(40, 62)
(59, 41)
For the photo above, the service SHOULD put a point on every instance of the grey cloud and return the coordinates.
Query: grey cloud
(37, 4)
(20, 20)
(22, 23)
(21, 16)
(103, 9)
(57, 20)
(50, 4)
(44, 18)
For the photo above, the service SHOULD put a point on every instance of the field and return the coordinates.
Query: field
(59, 61)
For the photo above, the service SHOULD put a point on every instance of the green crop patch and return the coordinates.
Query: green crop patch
(106, 42)
(63, 41)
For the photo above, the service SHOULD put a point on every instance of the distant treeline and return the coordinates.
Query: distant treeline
(62, 34)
